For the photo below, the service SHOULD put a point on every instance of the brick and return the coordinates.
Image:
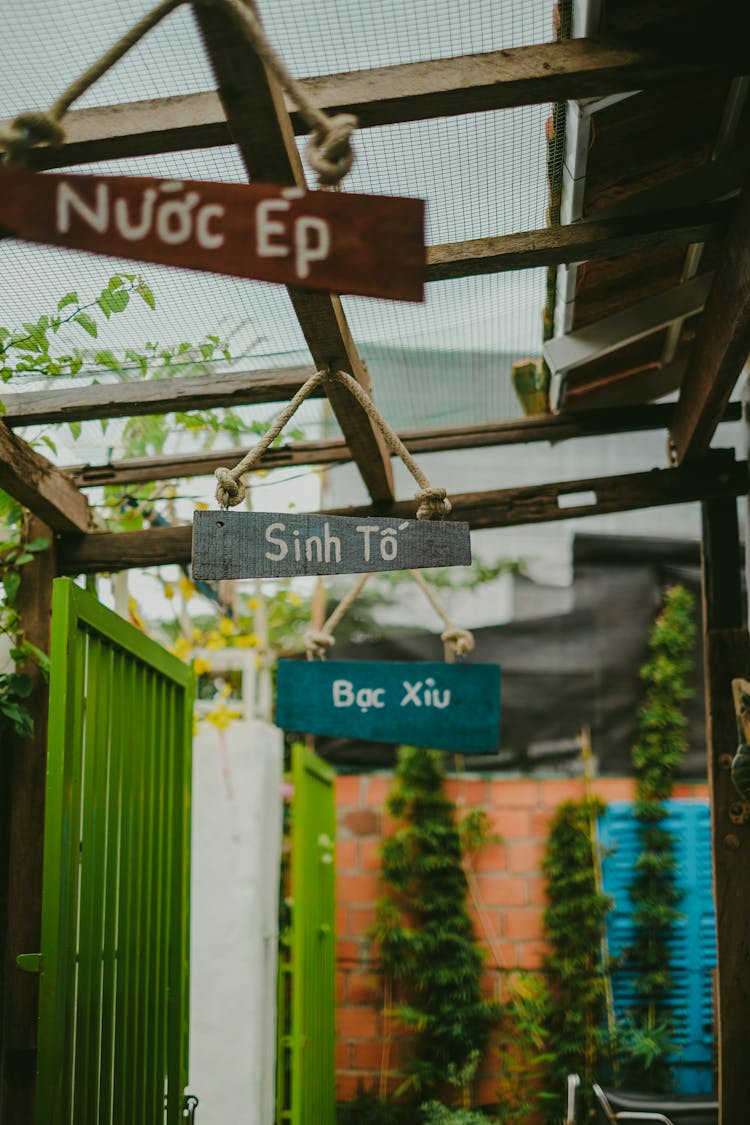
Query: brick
(531, 954)
(522, 923)
(554, 791)
(377, 790)
(614, 788)
(347, 952)
(358, 889)
(367, 1054)
(341, 986)
(360, 920)
(540, 822)
(492, 857)
(362, 822)
(487, 1092)
(691, 791)
(514, 793)
(342, 921)
(357, 1022)
(347, 787)
(536, 889)
(503, 890)
(510, 823)
(369, 855)
(343, 1055)
(347, 1086)
(346, 855)
(473, 791)
(525, 856)
(365, 988)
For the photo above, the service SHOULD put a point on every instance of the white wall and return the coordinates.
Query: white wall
(237, 776)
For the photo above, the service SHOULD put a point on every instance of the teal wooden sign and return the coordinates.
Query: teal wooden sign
(443, 706)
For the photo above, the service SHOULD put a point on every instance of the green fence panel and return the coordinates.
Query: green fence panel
(306, 1055)
(113, 1006)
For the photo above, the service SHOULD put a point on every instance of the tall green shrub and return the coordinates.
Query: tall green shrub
(573, 924)
(645, 1038)
(425, 934)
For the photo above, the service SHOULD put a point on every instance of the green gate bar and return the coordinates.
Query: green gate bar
(113, 1008)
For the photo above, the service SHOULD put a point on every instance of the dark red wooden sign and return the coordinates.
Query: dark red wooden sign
(367, 244)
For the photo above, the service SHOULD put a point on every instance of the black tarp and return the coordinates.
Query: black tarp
(563, 673)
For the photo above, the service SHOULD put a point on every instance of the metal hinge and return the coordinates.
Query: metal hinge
(189, 1108)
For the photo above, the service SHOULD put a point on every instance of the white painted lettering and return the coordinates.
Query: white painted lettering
(312, 242)
(174, 221)
(343, 693)
(297, 547)
(283, 549)
(266, 228)
(204, 236)
(134, 232)
(68, 200)
(314, 542)
(411, 694)
(331, 544)
(367, 530)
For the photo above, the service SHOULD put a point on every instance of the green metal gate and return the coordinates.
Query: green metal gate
(306, 1054)
(113, 1010)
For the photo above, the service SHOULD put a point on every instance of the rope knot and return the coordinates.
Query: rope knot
(34, 127)
(229, 490)
(317, 641)
(461, 640)
(433, 504)
(329, 149)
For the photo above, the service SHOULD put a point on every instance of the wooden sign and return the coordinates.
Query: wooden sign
(367, 244)
(283, 544)
(444, 706)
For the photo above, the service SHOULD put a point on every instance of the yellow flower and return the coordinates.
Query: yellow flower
(196, 634)
(222, 716)
(201, 665)
(247, 640)
(182, 648)
(294, 599)
(215, 641)
(201, 506)
(226, 628)
(187, 589)
(252, 603)
(169, 591)
(226, 691)
(134, 615)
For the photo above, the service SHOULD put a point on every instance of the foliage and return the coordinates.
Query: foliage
(435, 1113)
(644, 1041)
(523, 1052)
(425, 933)
(366, 1108)
(573, 923)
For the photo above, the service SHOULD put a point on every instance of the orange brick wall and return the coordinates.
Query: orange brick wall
(507, 900)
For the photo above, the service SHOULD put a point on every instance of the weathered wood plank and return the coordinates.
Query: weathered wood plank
(25, 765)
(263, 133)
(545, 72)
(542, 427)
(576, 242)
(35, 482)
(154, 396)
(716, 475)
(727, 657)
(722, 344)
(446, 706)
(341, 242)
(281, 545)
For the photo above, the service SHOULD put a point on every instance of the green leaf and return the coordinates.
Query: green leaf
(75, 429)
(115, 282)
(108, 359)
(49, 443)
(40, 544)
(119, 300)
(87, 323)
(104, 301)
(146, 294)
(69, 299)
(11, 582)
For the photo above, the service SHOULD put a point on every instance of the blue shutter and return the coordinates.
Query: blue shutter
(693, 945)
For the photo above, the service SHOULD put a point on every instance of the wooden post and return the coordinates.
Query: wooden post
(727, 656)
(25, 763)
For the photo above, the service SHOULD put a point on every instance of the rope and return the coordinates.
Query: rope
(460, 640)
(328, 150)
(230, 489)
(317, 641)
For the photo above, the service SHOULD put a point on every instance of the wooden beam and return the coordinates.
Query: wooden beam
(716, 475)
(722, 344)
(24, 772)
(155, 396)
(542, 427)
(262, 130)
(727, 657)
(563, 353)
(417, 91)
(576, 242)
(718, 179)
(41, 487)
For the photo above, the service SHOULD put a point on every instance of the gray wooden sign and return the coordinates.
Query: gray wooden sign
(283, 544)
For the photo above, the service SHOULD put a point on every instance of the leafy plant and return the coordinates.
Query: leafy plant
(366, 1108)
(573, 924)
(425, 934)
(523, 1049)
(435, 1113)
(645, 1040)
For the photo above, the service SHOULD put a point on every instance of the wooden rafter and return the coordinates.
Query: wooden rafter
(722, 345)
(41, 487)
(546, 72)
(542, 427)
(262, 130)
(716, 475)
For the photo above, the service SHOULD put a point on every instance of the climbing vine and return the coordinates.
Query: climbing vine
(645, 1039)
(425, 934)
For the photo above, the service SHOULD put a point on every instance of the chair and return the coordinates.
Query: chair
(614, 1106)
